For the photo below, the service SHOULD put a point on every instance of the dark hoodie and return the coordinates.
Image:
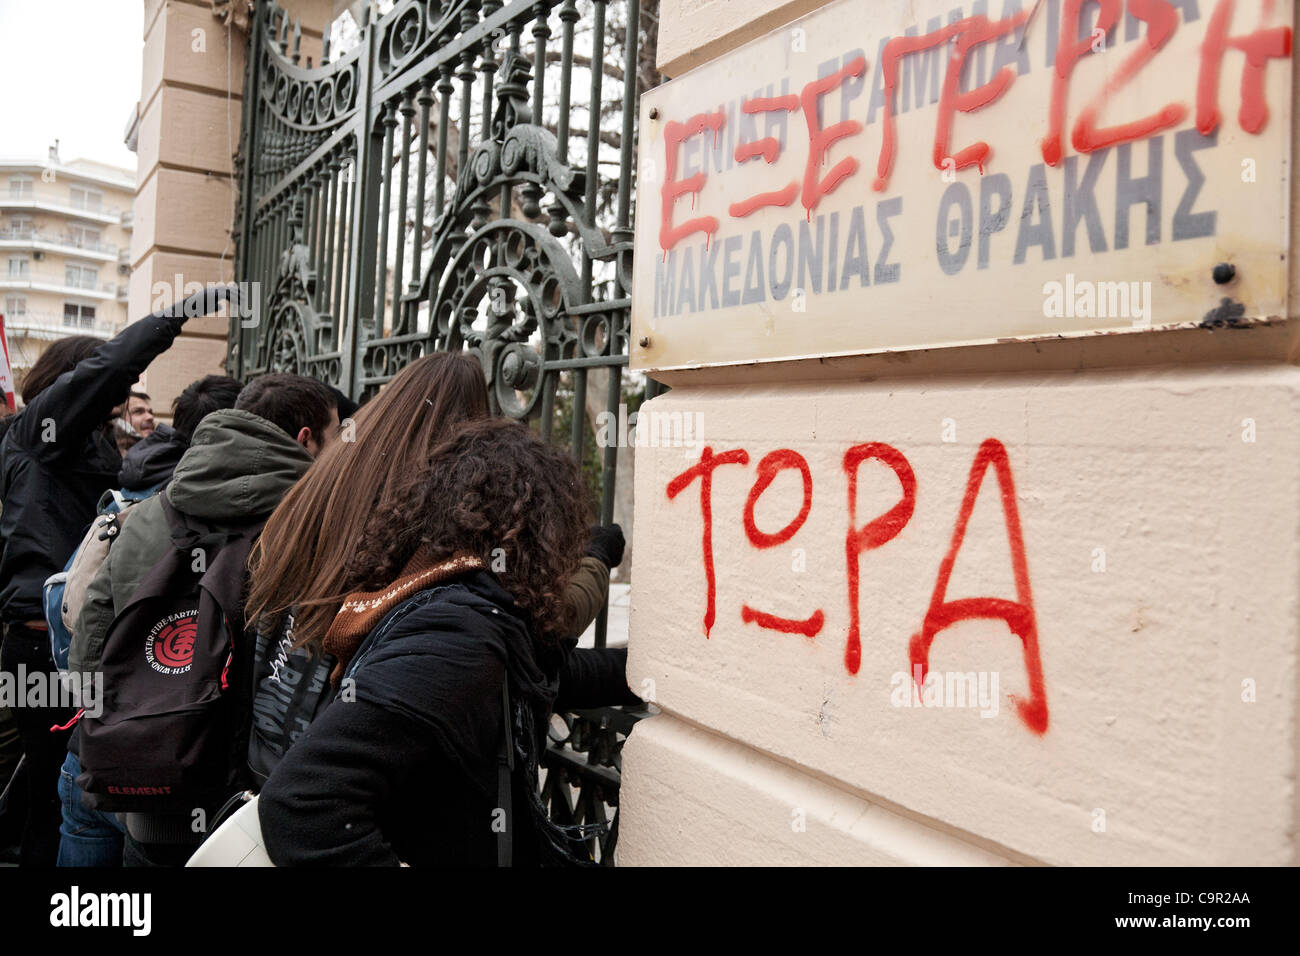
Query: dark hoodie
(151, 461)
(402, 766)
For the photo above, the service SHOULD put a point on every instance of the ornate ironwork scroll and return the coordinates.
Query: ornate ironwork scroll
(509, 268)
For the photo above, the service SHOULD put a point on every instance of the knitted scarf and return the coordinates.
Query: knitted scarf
(363, 610)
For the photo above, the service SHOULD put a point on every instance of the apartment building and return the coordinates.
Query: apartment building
(65, 236)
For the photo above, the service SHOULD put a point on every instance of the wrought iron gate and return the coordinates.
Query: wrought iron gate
(518, 252)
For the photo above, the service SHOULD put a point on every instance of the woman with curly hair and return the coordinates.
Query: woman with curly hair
(304, 563)
(450, 653)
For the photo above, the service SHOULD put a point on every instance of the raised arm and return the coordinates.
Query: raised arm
(585, 594)
(80, 400)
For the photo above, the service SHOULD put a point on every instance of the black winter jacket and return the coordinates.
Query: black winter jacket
(58, 456)
(151, 461)
(407, 771)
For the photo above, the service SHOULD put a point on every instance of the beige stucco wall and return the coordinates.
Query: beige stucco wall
(692, 32)
(1157, 495)
(1158, 518)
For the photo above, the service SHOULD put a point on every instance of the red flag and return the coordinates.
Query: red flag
(6, 371)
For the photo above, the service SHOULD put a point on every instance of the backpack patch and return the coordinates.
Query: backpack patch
(169, 647)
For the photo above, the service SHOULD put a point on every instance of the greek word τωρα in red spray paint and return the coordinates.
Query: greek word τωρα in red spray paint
(1018, 614)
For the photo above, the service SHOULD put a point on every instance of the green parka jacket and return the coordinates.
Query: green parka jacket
(237, 468)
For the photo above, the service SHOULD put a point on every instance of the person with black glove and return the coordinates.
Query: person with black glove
(595, 677)
(589, 587)
(607, 545)
(57, 458)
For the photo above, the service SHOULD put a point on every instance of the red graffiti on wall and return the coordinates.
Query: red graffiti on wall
(969, 33)
(808, 628)
(674, 135)
(769, 467)
(1161, 18)
(769, 148)
(704, 471)
(1259, 47)
(1018, 615)
(876, 531)
(820, 138)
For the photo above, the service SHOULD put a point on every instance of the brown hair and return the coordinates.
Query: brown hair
(62, 356)
(301, 558)
(497, 491)
(200, 398)
(292, 402)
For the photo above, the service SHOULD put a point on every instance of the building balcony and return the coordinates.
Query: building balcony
(45, 241)
(60, 285)
(108, 215)
(48, 327)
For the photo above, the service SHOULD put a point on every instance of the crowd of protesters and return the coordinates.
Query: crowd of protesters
(396, 592)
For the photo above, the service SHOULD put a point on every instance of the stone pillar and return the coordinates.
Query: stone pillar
(1118, 512)
(190, 107)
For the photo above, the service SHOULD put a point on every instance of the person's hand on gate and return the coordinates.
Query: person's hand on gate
(607, 544)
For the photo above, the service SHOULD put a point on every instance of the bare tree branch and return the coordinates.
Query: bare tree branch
(609, 69)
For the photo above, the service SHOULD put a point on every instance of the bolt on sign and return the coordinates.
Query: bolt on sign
(881, 176)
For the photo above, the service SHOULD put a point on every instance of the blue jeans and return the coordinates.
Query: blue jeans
(86, 837)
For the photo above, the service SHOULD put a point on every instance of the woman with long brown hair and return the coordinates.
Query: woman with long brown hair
(450, 668)
(300, 559)
(303, 564)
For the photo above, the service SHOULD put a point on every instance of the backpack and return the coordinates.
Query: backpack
(163, 739)
(64, 592)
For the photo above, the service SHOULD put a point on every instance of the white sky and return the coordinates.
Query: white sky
(70, 70)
